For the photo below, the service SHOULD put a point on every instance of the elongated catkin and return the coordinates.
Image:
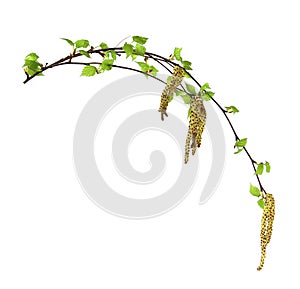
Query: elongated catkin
(176, 79)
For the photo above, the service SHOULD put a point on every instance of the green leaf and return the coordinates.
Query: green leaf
(241, 143)
(170, 98)
(82, 43)
(144, 66)
(32, 56)
(103, 45)
(260, 169)
(190, 88)
(140, 49)
(261, 203)
(205, 86)
(106, 64)
(186, 75)
(113, 54)
(32, 65)
(128, 48)
(268, 167)
(169, 79)
(231, 109)
(186, 98)
(238, 151)
(254, 191)
(89, 70)
(189, 113)
(140, 39)
(207, 95)
(153, 70)
(186, 64)
(177, 53)
(85, 53)
(69, 41)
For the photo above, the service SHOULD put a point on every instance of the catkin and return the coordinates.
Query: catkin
(266, 227)
(196, 125)
(176, 79)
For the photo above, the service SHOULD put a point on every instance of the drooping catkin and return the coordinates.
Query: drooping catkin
(176, 79)
(266, 227)
(196, 124)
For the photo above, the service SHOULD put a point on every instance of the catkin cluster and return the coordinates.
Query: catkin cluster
(176, 79)
(266, 227)
(196, 126)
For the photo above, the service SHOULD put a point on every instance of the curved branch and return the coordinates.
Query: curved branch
(159, 59)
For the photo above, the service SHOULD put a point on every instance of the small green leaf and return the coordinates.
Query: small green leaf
(113, 54)
(32, 56)
(177, 53)
(231, 109)
(103, 45)
(186, 64)
(241, 143)
(106, 64)
(69, 41)
(186, 75)
(261, 203)
(85, 53)
(205, 86)
(144, 66)
(186, 98)
(153, 70)
(238, 151)
(140, 39)
(189, 113)
(170, 98)
(140, 49)
(128, 48)
(207, 95)
(89, 70)
(190, 88)
(260, 169)
(268, 167)
(82, 43)
(32, 65)
(254, 191)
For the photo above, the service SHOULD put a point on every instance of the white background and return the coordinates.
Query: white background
(53, 236)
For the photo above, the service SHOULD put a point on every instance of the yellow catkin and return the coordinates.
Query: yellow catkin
(196, 126)
(176, 79)
(266, 227)
(187, 146)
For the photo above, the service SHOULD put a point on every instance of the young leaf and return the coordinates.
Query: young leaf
(268, 167)
(186, 65)
(82, 43)
(261, 203)
(177, 53)
(190, 88)
(207, 95)
(107, 64)
(205, 86)
(69, 41)
(241, 143)
(32, 65)
(254, 191)
(144, 66)
(140, 49)
(84, 53)
(128, 48)
(140, 39)
(260, 169)
(89, 70)
(170, 98)
(231, 109)
(153, 70)
(32, 56)
(186, 98)
(238, 151)
(113, 54)
(103, 45)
